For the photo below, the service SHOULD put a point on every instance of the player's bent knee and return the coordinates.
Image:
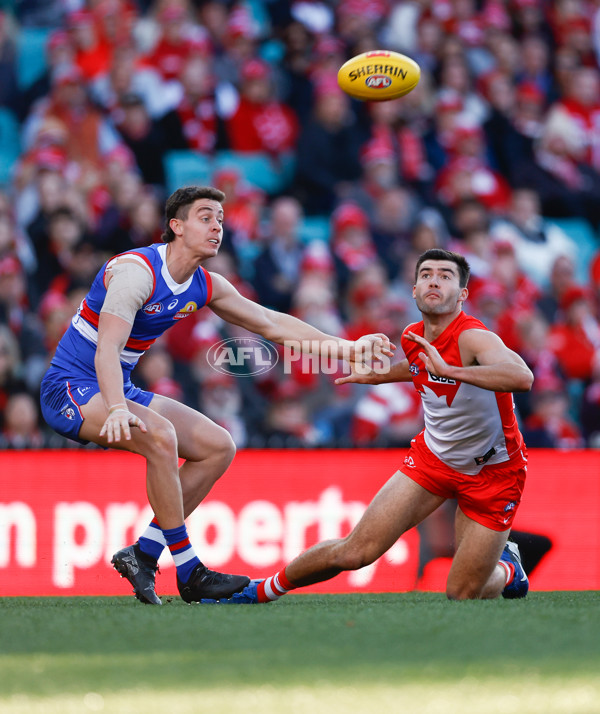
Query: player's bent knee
(164, 439)
(464, 592)
(225, 447)
(216, 445)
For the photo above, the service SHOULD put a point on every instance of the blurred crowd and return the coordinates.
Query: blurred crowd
(495, 154)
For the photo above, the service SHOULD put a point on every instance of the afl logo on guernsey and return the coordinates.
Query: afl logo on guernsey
(189, 308)
(414, 369)
(153, 309)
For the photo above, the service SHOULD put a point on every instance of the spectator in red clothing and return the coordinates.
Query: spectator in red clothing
(455, 74)
(129, 75)
(463, 21)
(575, 338)
(582, 104)
(367, 302)
(522, 292)
(562, 277)
(55, 312)
(244, 208)
(314, 300)
(530, 105)
(595, 282)
(21, 428)
(391, 132)
(388, 416)
(567, 185)
(197, 124)
(352, 245)
(288, 421)
(221, 400)
(575, 33)
(549, 424)
(179, 40)
(468, 174)
(80, 132)
(537, 242)
(92, 52)
(260, 122)
(115, 20)
(157, 372)
(533, 330)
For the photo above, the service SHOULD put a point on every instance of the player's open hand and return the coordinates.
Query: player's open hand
(430, 356)
(119, 423)
(376, 346)
(369, 357)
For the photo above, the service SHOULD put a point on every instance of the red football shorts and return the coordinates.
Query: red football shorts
(490, 497)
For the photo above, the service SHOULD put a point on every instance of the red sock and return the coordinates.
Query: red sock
(510, 571)
(274, 587)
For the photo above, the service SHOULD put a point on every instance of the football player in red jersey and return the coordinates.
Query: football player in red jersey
(471, 449)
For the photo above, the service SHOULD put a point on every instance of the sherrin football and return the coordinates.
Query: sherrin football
(379, 75)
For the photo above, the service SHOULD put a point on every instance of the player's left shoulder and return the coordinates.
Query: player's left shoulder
(475, 341)
(468, 322)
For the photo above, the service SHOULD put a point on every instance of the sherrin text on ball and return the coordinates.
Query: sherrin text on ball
(379, 75)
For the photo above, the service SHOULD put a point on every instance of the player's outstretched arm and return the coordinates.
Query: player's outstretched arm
(278, 327)
(489, 362)
(378, 374)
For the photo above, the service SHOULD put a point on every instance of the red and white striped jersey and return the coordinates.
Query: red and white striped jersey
(466, 427)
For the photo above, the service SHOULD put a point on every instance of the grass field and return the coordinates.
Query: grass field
(306, 654)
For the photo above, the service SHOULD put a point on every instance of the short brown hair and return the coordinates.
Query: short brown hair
(464, 269)
(179, 202)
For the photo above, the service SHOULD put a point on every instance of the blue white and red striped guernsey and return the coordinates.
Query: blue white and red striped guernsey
(168, 303)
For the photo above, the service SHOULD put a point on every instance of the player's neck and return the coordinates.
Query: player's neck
(434, 325)
(180, 266)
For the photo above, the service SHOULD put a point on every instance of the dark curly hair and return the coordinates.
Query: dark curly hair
(464, 269)
(179, 202)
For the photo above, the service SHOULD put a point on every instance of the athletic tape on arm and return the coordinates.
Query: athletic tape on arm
(129, 288)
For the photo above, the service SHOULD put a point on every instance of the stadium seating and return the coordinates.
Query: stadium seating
(31, 55)
(259, 169)
(588, 243)
(187, 167)
(10, 144)
(315, 228)
(183, 168)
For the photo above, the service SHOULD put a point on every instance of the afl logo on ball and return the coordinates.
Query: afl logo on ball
(378, 81)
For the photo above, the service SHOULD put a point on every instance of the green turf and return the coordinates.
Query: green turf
(102, 654)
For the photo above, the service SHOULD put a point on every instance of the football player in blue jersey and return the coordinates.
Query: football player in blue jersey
(87, 393)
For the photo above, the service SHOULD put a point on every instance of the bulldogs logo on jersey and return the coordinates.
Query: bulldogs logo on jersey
(186, 311)
(68, 412)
